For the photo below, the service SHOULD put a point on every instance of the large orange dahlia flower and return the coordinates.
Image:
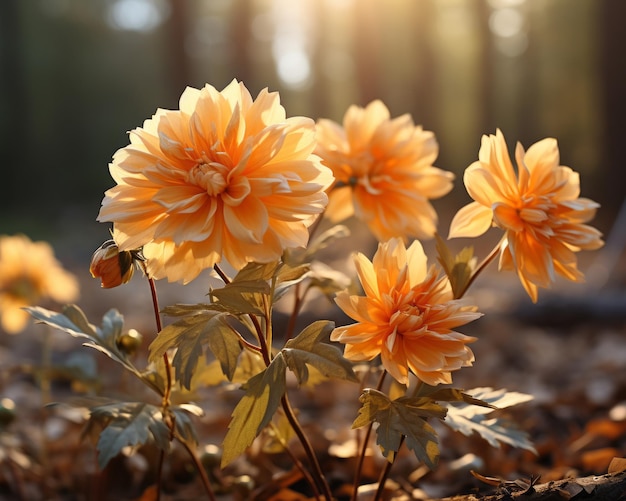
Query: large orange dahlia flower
(30, 273)
(224, 177)
(539, 209)
(406, 316)
(384, 172)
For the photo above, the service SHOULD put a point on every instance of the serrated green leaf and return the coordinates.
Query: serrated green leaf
(182, 310)
(309, 348)
(128, 424)
(452, 395)
(328, 280)
(253, 272)
(468, 419)
(324, 239)
(191, 335)
(185, 430)
(255, 409)
(277, 434)
(104, 339)
(289, 276)
(459, 268)
(406, 417)
(242, 297)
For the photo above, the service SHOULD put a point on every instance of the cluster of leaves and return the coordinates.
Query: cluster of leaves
(235, 327)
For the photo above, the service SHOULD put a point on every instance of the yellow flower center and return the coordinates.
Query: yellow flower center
(23, 288)
(210, 176)
(532, 213)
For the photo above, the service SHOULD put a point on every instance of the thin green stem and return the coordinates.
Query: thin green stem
(165, 402)
(222, 275)
(308, 448)
(385, 473)
(198, 465)
(296, 461)
(479, 269)
(366, 439)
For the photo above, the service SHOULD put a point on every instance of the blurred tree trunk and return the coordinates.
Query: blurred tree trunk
(14, 116)
(241, 19)
(426, 67)
(367, 41)
(320, 91)
(178, 65)
(613, 14)
(486, 121)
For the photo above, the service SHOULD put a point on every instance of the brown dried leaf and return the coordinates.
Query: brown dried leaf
(617, 465)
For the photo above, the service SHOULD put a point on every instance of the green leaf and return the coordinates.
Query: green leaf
(459, 268)
(184, 427)
(104, 338)
(328, 280)
(256, 271)
(191, 335)
(182, 310)
(406, 417)
(467, 418)
(288, 276)
(309, 348)
(322, 240)
(242, 297)
(128, 424)
(255, 409)
(451, 395)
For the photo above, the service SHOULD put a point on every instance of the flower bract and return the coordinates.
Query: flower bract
(407, 316)
(384, 172)
(538, 208)
(223, 177)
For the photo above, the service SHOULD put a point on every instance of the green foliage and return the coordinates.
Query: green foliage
(402, 417)
(255, 409)
(104, 338)
(310, 348)
(467, 418)
(288, 276)
(248, 291)
(445, 394)
(458, 268)
(191, 335)
(127, 424)
(184, 427)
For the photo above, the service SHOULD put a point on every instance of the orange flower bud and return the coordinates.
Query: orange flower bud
(112, 266)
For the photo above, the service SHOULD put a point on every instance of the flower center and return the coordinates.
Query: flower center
(407, 318)
(210, 176)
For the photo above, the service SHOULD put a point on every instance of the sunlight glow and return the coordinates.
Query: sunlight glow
(136, 15)
(290, 47)
(507, 24)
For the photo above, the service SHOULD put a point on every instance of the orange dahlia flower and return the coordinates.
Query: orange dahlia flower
(30, 273)
(539, 210)
(225, 176)
(407, 316)
(384, 172)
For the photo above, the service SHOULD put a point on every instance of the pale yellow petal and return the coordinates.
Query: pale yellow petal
(471, 221)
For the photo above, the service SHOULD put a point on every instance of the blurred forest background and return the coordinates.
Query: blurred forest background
(77, 75)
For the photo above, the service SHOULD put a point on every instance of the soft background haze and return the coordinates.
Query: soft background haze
(76, 75)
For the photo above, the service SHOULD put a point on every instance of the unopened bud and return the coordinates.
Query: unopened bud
(112, 266)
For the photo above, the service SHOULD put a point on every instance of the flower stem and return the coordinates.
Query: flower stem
(479, 269)
(385, 473)
(202, 472)
(165, 402)
(366, 439)
(297, 462)
(308, 448)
